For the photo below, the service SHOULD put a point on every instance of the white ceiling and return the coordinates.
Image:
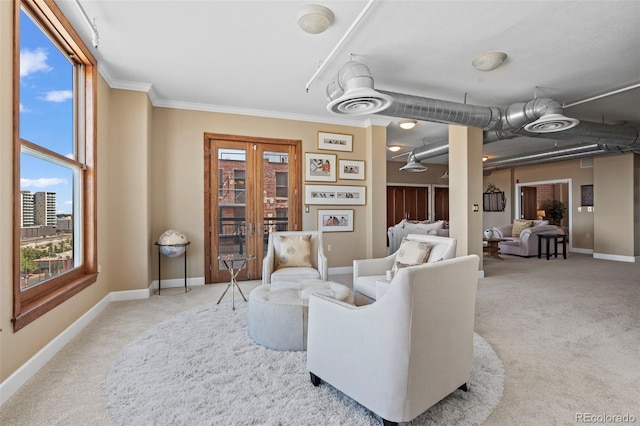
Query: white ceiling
(250, 57)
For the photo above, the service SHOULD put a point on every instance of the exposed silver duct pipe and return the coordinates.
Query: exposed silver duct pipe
(536, 159)
(576, 149)
(558, 154)
(352, 92)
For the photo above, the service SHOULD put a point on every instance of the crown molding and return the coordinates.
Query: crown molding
(156, 101)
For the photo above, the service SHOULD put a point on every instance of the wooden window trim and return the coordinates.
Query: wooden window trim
(31, 304)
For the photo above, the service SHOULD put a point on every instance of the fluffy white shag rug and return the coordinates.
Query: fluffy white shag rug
(200, 367)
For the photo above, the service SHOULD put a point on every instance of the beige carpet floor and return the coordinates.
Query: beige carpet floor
(567, 332)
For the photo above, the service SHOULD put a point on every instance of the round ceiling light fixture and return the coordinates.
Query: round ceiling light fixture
(407, 124)
(394, 148)
(489, 61)
(314, 18)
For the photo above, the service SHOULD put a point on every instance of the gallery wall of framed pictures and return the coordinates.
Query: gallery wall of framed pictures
(328, 168)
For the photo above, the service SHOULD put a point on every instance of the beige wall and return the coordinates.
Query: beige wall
(614, 205)
(465, 189)
(376, 179)
(129, 219)
(177, 179)
(430, 176)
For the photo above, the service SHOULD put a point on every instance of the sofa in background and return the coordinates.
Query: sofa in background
(526, 243)
(397, 232)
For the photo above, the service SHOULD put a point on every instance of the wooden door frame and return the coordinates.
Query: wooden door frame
(295, 171)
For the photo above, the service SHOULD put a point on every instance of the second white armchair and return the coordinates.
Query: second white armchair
(369, 275)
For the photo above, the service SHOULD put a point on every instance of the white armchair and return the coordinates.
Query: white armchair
(369, 274)
(405, 352)
(274, 270)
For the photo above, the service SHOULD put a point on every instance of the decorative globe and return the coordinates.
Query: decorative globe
(172, 243)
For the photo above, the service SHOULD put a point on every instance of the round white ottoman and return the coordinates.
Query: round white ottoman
(278, 312)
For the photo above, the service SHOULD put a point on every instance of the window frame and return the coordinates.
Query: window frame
(32, 303)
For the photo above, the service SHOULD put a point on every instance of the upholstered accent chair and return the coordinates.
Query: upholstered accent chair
(369, 275)
(294, 256)
(405, 352)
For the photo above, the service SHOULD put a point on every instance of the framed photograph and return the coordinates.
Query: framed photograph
(351, 169)
(335, 220)
(586, 195)
(334, 194)
(320, 167)
(335, 141)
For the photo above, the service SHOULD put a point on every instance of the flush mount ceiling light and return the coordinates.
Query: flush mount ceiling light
(314, 18)
(485, 158)
(394, 148)
(489, 61)
(407, 124)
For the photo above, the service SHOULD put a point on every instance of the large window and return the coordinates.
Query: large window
(54, 108)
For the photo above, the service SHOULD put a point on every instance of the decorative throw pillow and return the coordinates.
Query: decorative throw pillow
(411, 253)
(293, 250)
(431, 226)
(519, 226)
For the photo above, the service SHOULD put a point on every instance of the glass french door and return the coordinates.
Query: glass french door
(253, 189)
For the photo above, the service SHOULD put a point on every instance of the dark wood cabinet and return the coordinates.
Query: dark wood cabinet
(407, 202)
(441, 203)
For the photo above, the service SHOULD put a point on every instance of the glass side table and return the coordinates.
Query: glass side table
(234, 263)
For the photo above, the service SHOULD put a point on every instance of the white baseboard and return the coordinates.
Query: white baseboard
(341, 270)
(44, 355)
(616, 257)
(118, 296)
(177, 282)
(581, 250)
(16, 380)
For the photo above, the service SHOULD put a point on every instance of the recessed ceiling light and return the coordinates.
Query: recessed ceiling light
(394, 148)
(407, 124)
(314, 18)
(489, 61)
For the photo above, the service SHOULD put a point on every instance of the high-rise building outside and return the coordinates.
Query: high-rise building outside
(27, 209)
(37, 209)
(45, 208)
